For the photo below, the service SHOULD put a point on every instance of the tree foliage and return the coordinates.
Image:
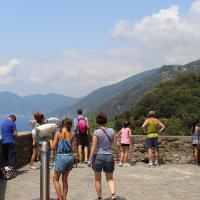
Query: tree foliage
(176, 103)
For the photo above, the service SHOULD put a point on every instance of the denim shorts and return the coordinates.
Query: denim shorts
(63, 162)
(103, 162)
(152, 143)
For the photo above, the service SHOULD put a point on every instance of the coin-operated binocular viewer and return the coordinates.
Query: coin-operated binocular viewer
(43, 134)
(53, 120)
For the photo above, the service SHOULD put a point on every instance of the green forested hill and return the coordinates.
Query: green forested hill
(130, 97)
(176, 102)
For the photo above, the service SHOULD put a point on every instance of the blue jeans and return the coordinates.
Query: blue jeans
(103, 162)
(63, 162)
(9, 154)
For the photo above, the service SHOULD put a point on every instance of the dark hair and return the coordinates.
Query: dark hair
(196, 122)
(36, 115)
(13, 117)
(126, 124)
(151, 114)
(66, 123)
(40, 118)
(101, 119)
(80, 111)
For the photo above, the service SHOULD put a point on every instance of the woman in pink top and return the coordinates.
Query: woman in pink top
(125, 135)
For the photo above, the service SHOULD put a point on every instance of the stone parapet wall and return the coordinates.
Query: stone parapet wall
(23, 148)
(172, 149)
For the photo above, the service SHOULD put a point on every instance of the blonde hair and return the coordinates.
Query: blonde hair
(151, 114)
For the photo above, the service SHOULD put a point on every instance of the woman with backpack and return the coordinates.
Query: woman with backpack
(101, 156)
(196, 141)
(64, 159)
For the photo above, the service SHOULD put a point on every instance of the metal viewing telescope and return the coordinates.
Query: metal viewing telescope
(43, 134)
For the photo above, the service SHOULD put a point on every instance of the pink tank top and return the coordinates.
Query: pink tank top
(125, 138)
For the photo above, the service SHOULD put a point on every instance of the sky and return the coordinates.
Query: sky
(73, 47)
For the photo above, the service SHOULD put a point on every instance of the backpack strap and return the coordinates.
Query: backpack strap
(107, 135)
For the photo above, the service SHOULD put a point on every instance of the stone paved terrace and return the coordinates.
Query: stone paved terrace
(168, 182)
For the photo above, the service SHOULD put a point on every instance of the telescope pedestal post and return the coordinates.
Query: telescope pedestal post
(44, 148)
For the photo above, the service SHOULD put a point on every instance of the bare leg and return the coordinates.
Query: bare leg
(195, 150)
(198, 155)
(34, 155)
(65, 184)
(57, 186)
(109, 178)
(122, 154)
(38, 153)
(150, 154)
(156, 154)
(80, 153)
(118, 153)
(98, 183)
(126, 154)
(86, 152)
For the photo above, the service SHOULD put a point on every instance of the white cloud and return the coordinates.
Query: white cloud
(36, 79)
(195, 8)
(7, 68)
(165, 37)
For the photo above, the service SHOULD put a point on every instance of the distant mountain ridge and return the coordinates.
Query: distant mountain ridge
(117, 98)
(97, 98)
(13, 103)
(130, 97)
(113, 99)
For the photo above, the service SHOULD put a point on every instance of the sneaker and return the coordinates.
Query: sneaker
(127, 165)
(120, 164)
(86, 161)
(150, 165)
(113, 197)
(156, 163)
(31, 166)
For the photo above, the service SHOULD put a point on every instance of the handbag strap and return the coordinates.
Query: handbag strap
(107, 135)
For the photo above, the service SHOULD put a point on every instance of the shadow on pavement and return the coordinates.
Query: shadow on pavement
(3, 184)
(49, 199)
(118, 198)
(21, 172)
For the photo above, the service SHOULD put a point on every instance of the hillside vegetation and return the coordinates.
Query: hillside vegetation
(128, 98)
(176, 102)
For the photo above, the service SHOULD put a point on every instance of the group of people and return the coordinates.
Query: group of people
(101, 156)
